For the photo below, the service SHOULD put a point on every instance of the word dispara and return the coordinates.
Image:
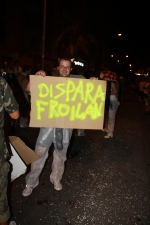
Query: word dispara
(77, 101)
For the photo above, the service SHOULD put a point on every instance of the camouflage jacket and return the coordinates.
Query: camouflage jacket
(8, 104)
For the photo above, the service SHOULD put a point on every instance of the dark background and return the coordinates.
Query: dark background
(21, 22)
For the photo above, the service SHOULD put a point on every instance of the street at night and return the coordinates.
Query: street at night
(75, 88)
(106, 181)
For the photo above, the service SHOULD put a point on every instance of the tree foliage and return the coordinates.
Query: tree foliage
(74, 41)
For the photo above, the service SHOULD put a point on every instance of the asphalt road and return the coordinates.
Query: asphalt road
(106, 181)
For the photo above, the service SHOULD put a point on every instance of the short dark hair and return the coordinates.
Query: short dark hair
(66, 59)
(26, 67)
(54, 72)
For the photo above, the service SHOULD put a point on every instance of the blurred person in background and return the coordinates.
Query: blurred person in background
(122, 87)
(147, 95)
(23, 80)
(111, 103)
(141, 89)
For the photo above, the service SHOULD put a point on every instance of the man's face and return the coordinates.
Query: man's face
(64, 68)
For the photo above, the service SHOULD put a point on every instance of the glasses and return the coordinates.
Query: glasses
(64, 67)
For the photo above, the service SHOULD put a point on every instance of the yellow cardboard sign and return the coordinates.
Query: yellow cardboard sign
(67, 102)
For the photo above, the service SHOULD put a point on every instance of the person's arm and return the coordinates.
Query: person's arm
(113, 89)
(27, 88)
(39, 73)
(23, 81)
(14, 115)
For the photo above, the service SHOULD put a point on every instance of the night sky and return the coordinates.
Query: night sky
(103, 19)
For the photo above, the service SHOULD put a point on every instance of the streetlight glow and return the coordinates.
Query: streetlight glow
(130, 65)
(118, 60)
(119, 35)
(112, 56)
(127, 56)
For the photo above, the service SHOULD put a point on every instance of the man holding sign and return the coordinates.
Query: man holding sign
(62, 102)
(59, 136)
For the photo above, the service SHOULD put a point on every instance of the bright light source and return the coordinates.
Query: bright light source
(118, 60)
(130, 65)
(140, 74)
(127, 56)
(130, 70)
(78, 63)
(112, 56)
(119, 35)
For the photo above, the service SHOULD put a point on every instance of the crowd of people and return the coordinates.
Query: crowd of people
(20, 84)
(17, 77)
(19, 96)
